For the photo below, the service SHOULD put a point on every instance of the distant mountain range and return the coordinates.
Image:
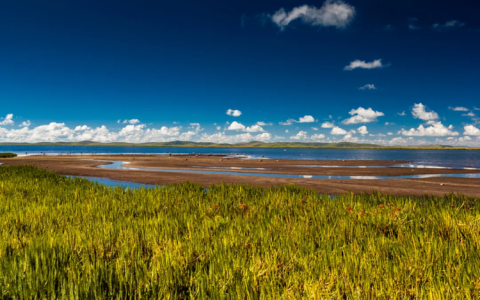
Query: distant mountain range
(254, 144)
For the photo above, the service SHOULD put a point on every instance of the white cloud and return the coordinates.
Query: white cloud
(7, 120)
(132, 121)
(315, 128)
(476, 108)
(333, 13)
(236, 126)
(328, 125)
(364, 65)
(234, 113)
(254, 128)
(389, 133)
(240, 127)
(419, 112)
(448, 25)
(307, 119)
(437, 129)
(389, 124)
(25, 124)
(260, 123)
(263, 137)
(286, 130)
(302, 135)
(362, 115)
(82, 128)
(287, 122)
(221, 137)
(362, 130)
(219, 127)
(338, 131)
(402, 114)
(368, 87)
(458, 108)
(471, 130)
(349, 138)
(470, 114)
(317, 137)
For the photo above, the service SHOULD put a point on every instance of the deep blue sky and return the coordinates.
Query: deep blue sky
(94, 62)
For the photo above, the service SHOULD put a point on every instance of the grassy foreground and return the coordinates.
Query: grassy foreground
(64, 238)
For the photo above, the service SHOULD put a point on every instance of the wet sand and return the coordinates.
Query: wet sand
(86, 166)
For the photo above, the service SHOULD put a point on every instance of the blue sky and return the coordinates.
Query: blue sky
(378, 71)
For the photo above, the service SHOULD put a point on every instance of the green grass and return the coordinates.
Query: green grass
(7, 155)
(63, 238)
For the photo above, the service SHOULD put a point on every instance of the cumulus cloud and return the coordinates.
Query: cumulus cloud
(364, 65)
(305, 119)
(362, 130)
(328, 125)
(368, 87)
(240, 127)
(448, 25)
(236, 126)
(471, 130)
(419, 112)
(362, 115)
(25, 124)
(8, 120)
(458, 108)
(254, 128)
(234, 113)
(82, 128)
(221, 137)
(338, 131)
(333, 13)
(55, 132)
(317, 137)
(302, 135)
(436, 129)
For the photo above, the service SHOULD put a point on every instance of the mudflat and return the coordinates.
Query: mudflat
(87, 165)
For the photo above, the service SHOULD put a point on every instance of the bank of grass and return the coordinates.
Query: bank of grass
(7, 155)
(65, 238)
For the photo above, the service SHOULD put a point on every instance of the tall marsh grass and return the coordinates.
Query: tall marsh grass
(63, 238)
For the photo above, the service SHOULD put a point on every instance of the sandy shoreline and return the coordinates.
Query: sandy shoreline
(87, 166)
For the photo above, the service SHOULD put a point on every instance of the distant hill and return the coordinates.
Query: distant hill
(253, 144)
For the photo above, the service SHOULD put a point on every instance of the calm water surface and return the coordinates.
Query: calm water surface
(444, 158)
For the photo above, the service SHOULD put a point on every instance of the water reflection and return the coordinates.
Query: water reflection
(118, 165)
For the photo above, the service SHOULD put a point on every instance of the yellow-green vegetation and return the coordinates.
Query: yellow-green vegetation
(64, 238)
(7, 155)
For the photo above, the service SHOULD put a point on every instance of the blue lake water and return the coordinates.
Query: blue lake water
(444, 158)
(118, 165)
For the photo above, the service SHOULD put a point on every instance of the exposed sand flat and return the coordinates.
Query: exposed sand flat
(87, 166)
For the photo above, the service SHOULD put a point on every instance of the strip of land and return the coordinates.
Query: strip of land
(87, 165)
(252, 144)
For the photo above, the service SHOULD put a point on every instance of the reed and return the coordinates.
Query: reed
(7, 155)
(64, 238)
